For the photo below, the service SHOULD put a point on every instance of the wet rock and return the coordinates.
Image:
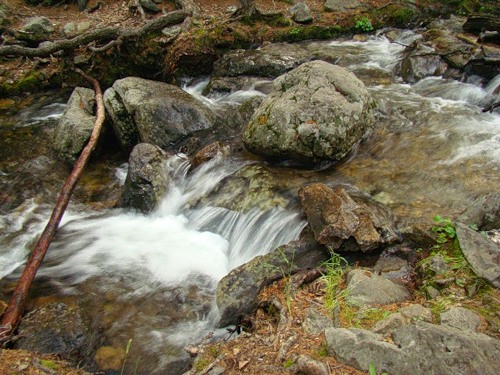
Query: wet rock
(344, 224)
(420, 62)
(109, 358)
(309, 366)
(75, 126)
(60, 329)
(477, 23)
(301, 13)
(36, 29)
(271, 61)
(219, 85)
(418, 348)
(461, 318)
(481, 253)
(366, 288)
(237, 292)
(233, 117)
(154, 112)
(147, 177)
(207, 153)
(316, 112)
(253, 186)
(454, 51)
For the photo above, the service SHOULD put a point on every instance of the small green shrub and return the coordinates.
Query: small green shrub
(445, 229)
(363, 24)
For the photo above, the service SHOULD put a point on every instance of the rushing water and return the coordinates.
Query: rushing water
(152, 278)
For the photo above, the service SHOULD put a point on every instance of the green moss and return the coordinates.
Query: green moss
(404, 16)
(300, 33)
(48, 363)
(32, 80)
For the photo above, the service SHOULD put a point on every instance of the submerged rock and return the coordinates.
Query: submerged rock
(344, 224)
(58, 329)
(318, 111)
(147, 177)
(419, 348)
(154, 112)
(75, 126)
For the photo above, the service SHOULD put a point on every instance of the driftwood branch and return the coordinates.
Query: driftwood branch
(104, 35)
(12, 314)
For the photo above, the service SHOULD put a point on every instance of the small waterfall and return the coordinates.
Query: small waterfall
(176, 240)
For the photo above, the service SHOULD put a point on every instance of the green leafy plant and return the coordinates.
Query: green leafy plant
(445, 229)
(363, 24)
(373, 371)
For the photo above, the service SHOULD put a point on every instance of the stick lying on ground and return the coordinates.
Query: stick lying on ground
(12, 314)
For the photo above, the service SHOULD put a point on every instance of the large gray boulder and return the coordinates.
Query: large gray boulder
(317, 111)
(154, 112)
(481, 253)
(346, 224)
(237, 292)
(419, 348)
(75, 126)
(147, 177)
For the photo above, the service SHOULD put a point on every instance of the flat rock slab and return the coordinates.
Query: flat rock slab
(366, 288)
(419, 348)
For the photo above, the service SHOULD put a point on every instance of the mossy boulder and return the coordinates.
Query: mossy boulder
(316, 112)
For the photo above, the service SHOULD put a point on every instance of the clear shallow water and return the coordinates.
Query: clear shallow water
(152, 278)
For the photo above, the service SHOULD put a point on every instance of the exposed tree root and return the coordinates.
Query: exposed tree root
(104, 35)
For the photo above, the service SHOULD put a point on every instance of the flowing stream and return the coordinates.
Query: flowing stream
(151, 278)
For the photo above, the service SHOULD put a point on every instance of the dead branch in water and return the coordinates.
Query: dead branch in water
(12, 314)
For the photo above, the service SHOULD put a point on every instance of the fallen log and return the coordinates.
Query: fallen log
(104, 35)
(12, 315)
